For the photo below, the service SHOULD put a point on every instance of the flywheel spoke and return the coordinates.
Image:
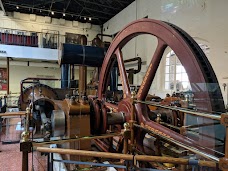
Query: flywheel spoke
(123, 75)
(151, 71)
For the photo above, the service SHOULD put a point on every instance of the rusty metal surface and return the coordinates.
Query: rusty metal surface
(82, 79)
(76, 108)
(34, 93)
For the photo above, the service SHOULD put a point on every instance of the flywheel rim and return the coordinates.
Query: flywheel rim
(148, 26)
(167, 36)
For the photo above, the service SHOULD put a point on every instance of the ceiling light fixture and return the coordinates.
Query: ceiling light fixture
(90, 18)
(84, 18)
(64, 14)
(17, 7)
(52, 13)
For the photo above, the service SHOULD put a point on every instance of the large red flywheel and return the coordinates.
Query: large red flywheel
(203, 80)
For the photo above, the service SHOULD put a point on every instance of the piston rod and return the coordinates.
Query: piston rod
(128, 157)
(192, 149)
(201, 114)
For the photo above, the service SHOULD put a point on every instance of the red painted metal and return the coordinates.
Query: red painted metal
(167, 36)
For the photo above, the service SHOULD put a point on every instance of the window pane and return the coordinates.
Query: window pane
(178, 77)
(184, 77)
(167, 77)
(178, 61)
(171, 77)
(167, 85)
(167, 61)
(172, 69)
(175, 74)
(178, 85)
(167, 69)
(186, 85)
(183, 69)
(172, 60)
(179, 68)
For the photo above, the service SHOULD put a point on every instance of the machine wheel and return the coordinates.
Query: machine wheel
(192, 58)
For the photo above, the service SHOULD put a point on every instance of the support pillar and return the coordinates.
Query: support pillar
(64, 75)
(82, 79)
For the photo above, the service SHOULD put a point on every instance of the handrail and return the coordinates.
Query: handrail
(19, 113)
(62, 141)
(29, 31)
(128, 157)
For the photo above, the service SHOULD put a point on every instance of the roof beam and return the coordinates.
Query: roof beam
(124, 2)
(90, 9)
(101, 5)
(50, 7)
(67, 5)
(2, 7)
(92, 15)
(107, 13)
(46, 2)
(55, 11)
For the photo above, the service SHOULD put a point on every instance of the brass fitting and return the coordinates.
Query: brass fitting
(158, 119)
(224, 119)
(223, 164)
(25, 136)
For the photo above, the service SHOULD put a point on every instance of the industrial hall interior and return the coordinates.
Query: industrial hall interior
(113, 85)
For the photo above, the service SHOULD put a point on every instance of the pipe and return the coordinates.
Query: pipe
(201, 114)
(132, 60)
(64, 75)
(82, 69)
(116, 118)
(192, 149)
(174, 160)
(19, 113)
(37, 78)
(72, 71)
(85, 153)
(106, 35)
(62, 141)
(7, 72)
(82, 79)
(82, 55)
(128, 157)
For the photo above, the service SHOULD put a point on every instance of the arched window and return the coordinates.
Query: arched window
(176, 78)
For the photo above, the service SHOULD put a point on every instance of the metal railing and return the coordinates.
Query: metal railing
(46, 39)
(130, 160)
(11, 128)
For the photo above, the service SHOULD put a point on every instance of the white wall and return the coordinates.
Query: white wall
(29, 52)
(205, 20)
(20, 70)
(22, 22)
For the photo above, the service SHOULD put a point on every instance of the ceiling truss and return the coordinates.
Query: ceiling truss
(93, 11)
